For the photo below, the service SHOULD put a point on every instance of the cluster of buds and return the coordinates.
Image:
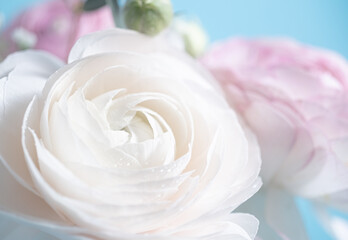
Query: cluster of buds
(67, 20)
(151, 17)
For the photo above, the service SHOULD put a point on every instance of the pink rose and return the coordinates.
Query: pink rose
(294, 98)
(53, 26)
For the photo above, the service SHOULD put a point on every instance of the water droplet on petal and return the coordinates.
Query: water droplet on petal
(160, 195)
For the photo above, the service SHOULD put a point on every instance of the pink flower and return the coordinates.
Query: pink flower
(294, 97)
(52, 26)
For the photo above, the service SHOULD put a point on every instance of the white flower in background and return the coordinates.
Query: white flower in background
(192, 33)
(23, 38)
(130, 140)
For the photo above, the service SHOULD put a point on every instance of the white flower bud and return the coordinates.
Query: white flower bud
(148, 16)
(23, 38)
(193, 34)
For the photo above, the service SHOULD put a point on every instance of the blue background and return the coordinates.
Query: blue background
(318, 22)
(321, 23)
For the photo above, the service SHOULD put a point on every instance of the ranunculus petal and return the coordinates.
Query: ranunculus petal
(263, 118)
(132, 140)
(22, 75)
(17, 199)
(116, 40)
(294, 97)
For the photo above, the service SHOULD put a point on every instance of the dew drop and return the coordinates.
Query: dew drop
(160, 195)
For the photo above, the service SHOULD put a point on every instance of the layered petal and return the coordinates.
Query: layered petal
(22, 75)
(131, 140)
(294, 98)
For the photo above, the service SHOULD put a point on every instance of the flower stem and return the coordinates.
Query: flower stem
(115, 11)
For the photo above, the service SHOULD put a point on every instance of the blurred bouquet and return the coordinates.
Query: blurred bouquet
(126, 136)
(53, 26)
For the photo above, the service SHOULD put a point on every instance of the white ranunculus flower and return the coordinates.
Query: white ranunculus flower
(130, 140)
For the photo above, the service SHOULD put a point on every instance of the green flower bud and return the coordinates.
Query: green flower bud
(193, 35)
(148, 16)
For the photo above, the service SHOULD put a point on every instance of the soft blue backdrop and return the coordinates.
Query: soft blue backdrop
(317, 22)
(322, 23)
